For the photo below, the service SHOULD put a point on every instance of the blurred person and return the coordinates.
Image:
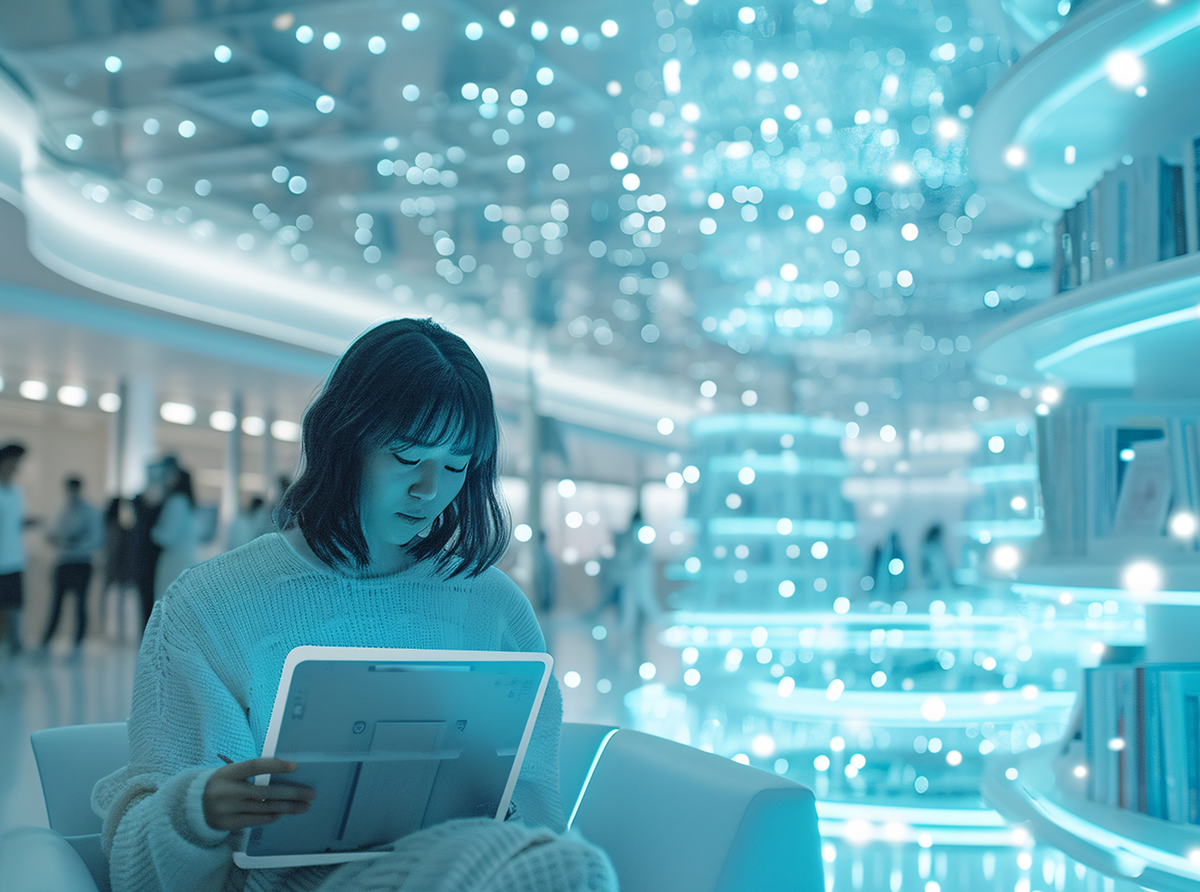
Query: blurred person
(250, 523)
(119, 520)
(547, 575)
(935, 566)
(143, 550)
(633, 578)
(177, 532)
(77, 532)
(12, 548)
(889, 584)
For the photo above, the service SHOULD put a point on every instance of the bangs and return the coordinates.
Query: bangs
(447, 415)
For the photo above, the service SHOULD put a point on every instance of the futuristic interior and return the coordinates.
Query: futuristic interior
(845, 355)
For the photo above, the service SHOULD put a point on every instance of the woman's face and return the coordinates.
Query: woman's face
(405, 488)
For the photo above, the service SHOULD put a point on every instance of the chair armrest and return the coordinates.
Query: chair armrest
(34, 859)
(675, 819)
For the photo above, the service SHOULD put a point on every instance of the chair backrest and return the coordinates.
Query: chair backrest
(70, 760)
(577, 752)
(673, 818)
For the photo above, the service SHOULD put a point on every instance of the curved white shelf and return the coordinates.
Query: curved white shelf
(1112, 333)
(1156, 854)
(826, 631)
(904, 708)
(1094, 581)
(866, 821)
(1060, 95)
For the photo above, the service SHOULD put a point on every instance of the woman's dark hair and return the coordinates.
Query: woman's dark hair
(405, 381)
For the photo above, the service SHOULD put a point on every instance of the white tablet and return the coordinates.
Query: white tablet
(393, 740)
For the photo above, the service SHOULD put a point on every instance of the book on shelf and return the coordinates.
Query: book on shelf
(1113, 470)
(1139, 213)
(1141, 738)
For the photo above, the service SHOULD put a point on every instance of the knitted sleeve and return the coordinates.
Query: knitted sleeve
(154, 829)
(537, 796)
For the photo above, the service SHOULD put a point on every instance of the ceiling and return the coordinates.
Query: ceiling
(632, 210)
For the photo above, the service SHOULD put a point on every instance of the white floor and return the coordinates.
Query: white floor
(47, 690)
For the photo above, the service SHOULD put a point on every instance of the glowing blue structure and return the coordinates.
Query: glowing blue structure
(886, 705)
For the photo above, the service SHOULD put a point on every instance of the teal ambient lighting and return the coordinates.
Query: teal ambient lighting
(1117, 334)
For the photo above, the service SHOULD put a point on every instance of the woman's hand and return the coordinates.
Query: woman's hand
(232, 803)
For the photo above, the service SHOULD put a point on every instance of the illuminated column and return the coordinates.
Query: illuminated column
(270, 492)
(536, 478)
(231, 488)
(137, 420)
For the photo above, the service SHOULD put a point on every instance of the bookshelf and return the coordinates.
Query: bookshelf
(1071, 127)
(1067, 93)
(1110, 334)
(1154, 853)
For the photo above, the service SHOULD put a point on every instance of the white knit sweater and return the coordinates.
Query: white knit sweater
(207, 672)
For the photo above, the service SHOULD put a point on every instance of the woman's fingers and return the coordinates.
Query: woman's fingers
(232, 803)
(252, 767)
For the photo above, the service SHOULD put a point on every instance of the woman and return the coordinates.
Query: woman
(389, 539)
(176, 532)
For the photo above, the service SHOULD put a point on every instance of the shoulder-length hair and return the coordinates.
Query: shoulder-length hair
(406, 381)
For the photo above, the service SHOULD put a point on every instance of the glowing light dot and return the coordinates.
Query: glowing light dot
(1183, 525)
(1124, 68)
(1015, 156)
(1142, 576)
(933, 709)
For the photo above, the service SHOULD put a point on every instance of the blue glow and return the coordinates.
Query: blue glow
(1116, 334)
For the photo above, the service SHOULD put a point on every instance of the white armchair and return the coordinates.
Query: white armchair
(672, 818)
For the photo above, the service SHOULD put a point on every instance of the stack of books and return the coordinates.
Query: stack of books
(1139, 213)
(1114, 471)
(1141, 736)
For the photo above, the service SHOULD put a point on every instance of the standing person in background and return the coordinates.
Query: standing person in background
(547, 578)
(12, 549)
(118, 567)
(77, 533)
(176, 533)
(634, 572)
(143, 550)
(935, 566)
(248, 524)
